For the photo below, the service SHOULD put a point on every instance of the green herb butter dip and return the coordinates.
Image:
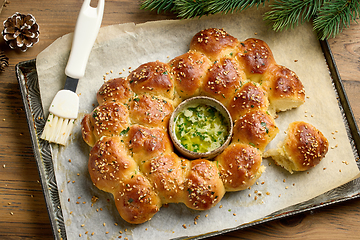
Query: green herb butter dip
(201, 128)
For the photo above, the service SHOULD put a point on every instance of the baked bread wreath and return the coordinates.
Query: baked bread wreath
(132, 155)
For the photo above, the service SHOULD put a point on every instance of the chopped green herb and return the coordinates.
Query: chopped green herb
(201, 128)
(125, 131)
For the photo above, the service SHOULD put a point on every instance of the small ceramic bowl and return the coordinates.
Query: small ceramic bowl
(193, 102)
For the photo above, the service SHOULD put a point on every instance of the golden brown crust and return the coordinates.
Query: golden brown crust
(284, 88)
(166, 173)
(256, 128)
(239, 166)
(255, 58)
(135, 199)
(214, 43)
(146, 143)
(109, 119)
(150, 111)
(224, 79)
(109, 163)
(87, 130)
(132, 155)
(114, 90)
(152, 78)
(190, 72)
(203, 186)
(305, 145)
(248, 98)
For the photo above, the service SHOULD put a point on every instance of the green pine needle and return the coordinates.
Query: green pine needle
(191, 8)
(330, 17)
(159, 5)
(334, 16)
(231, 6)
(288, 14)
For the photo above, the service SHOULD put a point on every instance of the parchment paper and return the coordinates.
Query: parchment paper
(119, 47)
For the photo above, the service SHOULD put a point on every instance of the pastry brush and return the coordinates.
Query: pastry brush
(64, 108)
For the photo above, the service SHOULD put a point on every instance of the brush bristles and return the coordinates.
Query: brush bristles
(57, 129)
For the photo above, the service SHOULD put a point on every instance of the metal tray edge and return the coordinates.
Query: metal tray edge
(48, 184)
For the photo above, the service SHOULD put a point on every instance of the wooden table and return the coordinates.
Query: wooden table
(23, 213)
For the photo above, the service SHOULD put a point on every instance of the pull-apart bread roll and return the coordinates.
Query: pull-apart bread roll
(248, 98)
(150, 111)
(109, 163)
(302, 149)
(240, 166)
(132, 155)
(255, 58)
(214, 43)
(190, 71)
(284, 88)
(145, 143)
(255, 128)
(114, 90)
(203, 185)
(167, 174)
(109, 119)
(223, 80)
(136, 200)
(153, 78)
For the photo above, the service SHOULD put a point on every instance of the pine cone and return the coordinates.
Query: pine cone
(4, 61)
(21, 31)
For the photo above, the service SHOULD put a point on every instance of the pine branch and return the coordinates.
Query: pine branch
(330, 16)
(288, 14)
(191, 8)
(159, 5)
(231, 6)
(334, 16)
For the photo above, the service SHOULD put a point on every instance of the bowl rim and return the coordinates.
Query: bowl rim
(202, 100)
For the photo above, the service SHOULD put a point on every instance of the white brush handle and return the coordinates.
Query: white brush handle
(86, 30)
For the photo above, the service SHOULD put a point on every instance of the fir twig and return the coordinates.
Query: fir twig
(334, 16)
(330, 17)
(288, 14)
(231, 6)
(159, 5)
(191, 8)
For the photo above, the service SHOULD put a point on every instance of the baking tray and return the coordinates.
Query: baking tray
(29, 86)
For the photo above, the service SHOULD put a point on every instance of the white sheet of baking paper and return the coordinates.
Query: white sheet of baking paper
(124, 46)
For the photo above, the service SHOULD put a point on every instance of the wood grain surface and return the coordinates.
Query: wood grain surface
(23, 213)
